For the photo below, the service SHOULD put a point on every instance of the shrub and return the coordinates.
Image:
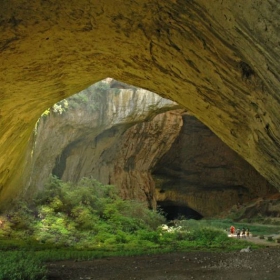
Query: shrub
(148, 235)
(89, 215)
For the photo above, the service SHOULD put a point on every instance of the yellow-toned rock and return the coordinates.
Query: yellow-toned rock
(219, 59)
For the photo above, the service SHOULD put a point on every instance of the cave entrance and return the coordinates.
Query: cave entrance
(173, 211)
(106, 132)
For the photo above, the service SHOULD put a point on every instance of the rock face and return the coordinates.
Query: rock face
(117, 142)
(202, 173)
(219, 59)
(119, 134)
(124, 157)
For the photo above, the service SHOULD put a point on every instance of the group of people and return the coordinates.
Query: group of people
(239, 232)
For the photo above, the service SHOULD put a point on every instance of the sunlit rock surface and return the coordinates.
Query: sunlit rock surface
(146, 146)
(116, 139)
(219, 59)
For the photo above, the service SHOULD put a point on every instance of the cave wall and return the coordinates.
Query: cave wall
(201, 172)
(120, 137)
(124, 156)
(116, 138)
(219, 59)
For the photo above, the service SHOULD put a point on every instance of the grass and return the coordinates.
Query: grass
(22, 265)
(52, 253)
(26, 259)
(255, 229)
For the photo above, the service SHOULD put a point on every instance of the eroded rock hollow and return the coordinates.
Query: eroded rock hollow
(201, 173)
(218, 59)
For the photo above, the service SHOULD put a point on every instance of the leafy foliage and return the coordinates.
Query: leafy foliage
(60, 106)
(85, 215)
(89, 220)
(92, 97)
(89, 215)
(20, 265)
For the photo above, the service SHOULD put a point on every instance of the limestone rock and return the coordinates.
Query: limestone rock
(219, 59)
(120, 136)
(118, 142)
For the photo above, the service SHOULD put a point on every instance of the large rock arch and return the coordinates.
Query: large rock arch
(219, 59)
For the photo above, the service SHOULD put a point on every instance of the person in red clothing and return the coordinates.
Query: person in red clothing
(232, 230)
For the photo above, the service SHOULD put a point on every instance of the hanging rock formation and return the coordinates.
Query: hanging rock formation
(217, 58)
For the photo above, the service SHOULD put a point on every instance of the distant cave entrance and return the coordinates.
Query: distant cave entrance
(173, 210)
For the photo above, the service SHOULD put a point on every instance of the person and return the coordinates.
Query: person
(243, 233)
(232, 230)
(238, 233)
(247, 232)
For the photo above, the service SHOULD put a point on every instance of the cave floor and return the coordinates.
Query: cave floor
(258, 264)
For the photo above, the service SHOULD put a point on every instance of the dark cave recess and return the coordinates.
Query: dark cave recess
(173, 211)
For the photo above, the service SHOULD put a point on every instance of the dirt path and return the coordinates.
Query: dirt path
(265, 242)
(259, 241)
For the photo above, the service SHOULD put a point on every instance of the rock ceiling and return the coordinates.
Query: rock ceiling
(219, 59)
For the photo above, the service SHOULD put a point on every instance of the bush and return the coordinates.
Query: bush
(148, 235)
(89, 215)
(85, 214)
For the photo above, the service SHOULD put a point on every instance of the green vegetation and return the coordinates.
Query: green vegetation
(60, 106)
(255, 228)
(82, 216)
(46, 113)
(92, 97)
(256, 212)
(21, 265)
(90, 220)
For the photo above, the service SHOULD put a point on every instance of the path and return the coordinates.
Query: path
(257, 240)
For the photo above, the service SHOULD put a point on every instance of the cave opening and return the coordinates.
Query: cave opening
(173, 211)
(100, 134)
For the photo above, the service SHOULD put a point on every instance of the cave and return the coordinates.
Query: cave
(204, 173)
(217, 59)
(150, 147)
(174, 210)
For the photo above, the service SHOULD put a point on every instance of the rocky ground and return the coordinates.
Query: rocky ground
(258, 264)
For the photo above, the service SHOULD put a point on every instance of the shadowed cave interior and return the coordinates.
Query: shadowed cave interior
(173, 211)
